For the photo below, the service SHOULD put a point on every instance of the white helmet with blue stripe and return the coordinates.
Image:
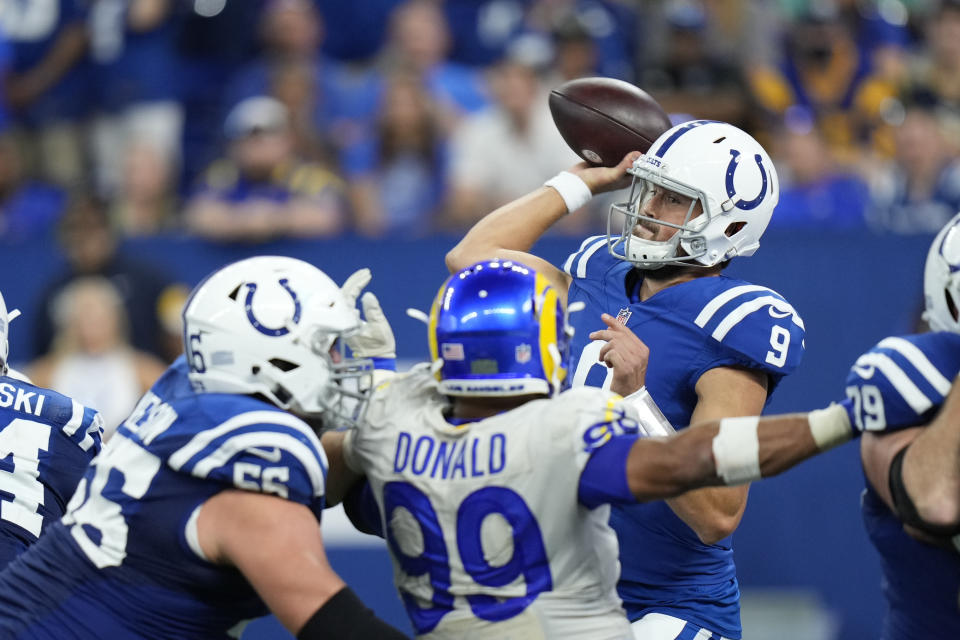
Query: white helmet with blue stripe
(941, 279)
(718, 166)
(272, 326)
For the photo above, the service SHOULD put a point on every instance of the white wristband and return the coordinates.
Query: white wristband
(652, 420)
(572, 189)
(830, 427)
(736, 450)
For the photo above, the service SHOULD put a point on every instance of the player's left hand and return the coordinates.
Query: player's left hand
(375, 338)
(625, 353)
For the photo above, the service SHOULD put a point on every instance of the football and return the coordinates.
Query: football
(603, 119)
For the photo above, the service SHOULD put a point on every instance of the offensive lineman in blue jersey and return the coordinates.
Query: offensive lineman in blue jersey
(701, 195)
(896, 389)
(202, 512)
(46, 442)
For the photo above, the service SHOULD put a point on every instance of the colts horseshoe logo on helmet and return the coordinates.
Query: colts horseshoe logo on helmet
(279, 331)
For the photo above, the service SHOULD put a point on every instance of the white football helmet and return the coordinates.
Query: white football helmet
(272, 325)
(5, 318)
(715, 164)
(941, 280)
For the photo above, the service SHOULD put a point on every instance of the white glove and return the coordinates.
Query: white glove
(375, 337)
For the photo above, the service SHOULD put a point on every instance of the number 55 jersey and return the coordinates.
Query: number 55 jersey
(498, 528)
(125, 562)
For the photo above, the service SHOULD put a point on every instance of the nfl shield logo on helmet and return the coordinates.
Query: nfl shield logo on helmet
(623, 315)
(523, 353)
(451, 351)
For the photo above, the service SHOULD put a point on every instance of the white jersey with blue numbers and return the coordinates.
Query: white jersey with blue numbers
(124, 562)
(900, 383)
(690, 328)
(46, 442)
(498, 528)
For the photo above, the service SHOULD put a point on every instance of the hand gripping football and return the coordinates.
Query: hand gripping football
(603, 119)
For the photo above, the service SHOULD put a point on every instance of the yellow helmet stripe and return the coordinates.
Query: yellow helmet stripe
(547, 318)
(432, 325)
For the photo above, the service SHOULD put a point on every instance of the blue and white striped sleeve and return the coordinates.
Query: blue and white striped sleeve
(576, 265)
(900, 383)
(757, 327)
(84, 428)
(264, 451)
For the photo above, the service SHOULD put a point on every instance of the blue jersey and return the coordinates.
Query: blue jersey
(690, 328)
(125, 562)
(901, 383)
(46, 442)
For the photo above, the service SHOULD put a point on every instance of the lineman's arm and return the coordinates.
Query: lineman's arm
(340, 477)
(660, 468)
(733, 451)
(277, 546)
(929, 472)
(723, 392)
(510, 232)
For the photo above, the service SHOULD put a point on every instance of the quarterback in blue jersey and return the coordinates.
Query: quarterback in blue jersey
(702, 194)
(46, 443)
(483, 438)
(202, 512)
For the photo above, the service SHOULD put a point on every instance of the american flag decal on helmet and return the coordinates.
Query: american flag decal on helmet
(623, 315)
(451, 351)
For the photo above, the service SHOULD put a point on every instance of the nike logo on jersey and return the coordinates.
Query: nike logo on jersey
(774, 313)
(272, 454)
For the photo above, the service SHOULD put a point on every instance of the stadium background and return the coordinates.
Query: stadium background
(851, 267)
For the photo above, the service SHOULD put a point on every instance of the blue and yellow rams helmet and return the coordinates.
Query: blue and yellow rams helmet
(499, 329)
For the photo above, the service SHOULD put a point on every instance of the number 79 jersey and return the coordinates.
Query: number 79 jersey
(493, 527)
(902, 381)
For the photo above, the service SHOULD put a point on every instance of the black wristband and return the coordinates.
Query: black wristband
(906, 509)
(344, 617)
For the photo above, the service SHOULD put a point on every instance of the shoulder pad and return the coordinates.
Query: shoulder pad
(591, 260)
(902, 381)
(414, 388)
(595, 416)
(265, 451)
(81, 425)
(758, 324)
(85, 428)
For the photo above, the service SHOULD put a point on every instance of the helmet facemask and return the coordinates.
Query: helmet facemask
(683, 248)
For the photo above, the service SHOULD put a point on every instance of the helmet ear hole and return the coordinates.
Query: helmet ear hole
(951, 305)
(283, 365)
(733, 228)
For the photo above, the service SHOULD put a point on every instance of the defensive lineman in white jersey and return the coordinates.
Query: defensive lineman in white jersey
(493, 491)
(496, 518)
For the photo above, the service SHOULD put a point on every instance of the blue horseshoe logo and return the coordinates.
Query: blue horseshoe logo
(248, 306)
(746, 205)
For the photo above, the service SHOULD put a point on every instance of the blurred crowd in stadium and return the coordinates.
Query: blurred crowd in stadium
(245, 121)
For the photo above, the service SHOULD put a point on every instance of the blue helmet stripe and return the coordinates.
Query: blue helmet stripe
(693, 124)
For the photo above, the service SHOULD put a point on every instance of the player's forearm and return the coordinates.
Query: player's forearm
(516, 226)
(931, 468)
(704, 455)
